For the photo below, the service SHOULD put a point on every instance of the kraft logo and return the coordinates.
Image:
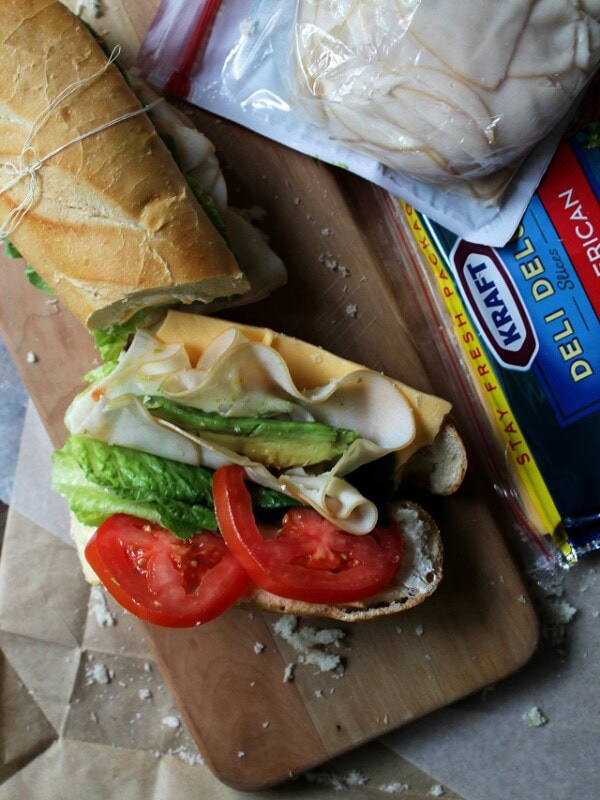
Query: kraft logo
(495, 303)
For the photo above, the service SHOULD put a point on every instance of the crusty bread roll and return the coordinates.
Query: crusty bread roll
(114, 226)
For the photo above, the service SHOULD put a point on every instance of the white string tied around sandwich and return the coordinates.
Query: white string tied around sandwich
(29, 163)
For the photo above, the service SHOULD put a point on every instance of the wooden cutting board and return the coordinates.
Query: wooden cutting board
(253, 729)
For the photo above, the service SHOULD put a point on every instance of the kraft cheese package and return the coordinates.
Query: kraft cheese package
(524, 323)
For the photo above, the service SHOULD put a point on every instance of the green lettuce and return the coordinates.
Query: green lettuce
(117, 482)
(111, 341)
(10, 251)
(99, 479)
(35, 279)
(210, 208)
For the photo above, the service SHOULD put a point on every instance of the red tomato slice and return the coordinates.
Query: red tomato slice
(161, 578)
(310, 559)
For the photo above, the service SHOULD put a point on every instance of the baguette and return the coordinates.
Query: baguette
(114, 227)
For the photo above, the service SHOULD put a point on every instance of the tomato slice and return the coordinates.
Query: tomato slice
(310, 559)
(161, 578)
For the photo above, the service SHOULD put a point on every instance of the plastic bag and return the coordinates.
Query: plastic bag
(454, 93)
(435, 101)
(522, 336)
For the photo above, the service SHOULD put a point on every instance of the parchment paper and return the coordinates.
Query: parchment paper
(59, 721)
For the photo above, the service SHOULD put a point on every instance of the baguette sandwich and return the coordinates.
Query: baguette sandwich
(132, 217)
(294, 456)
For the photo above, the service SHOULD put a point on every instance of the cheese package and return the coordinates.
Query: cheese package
(523, 323)
(444, 105)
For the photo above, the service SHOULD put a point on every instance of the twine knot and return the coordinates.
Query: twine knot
(29, 163)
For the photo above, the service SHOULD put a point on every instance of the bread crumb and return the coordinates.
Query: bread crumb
(144, 694)
(99, 608)
(31, 357)
(386, 719)
(437, 790)
(352, 310)
(185, 754)
(252, 683)
(288, 673)
(259, 648)
(252, 214)
(241, 754)
(419, 630)
(147, 666)
(266, 724)
(535, 717)
(172, 722)
(310, 643)
(98, 673)
(522, 599)
(337, 782)
(325, 231)
(394, 788)
(319, 694)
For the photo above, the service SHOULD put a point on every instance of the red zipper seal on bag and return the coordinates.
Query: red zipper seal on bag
(179, 84)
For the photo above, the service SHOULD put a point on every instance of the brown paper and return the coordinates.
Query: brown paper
(85, 712)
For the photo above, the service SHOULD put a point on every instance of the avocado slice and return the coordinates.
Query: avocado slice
(273, 442)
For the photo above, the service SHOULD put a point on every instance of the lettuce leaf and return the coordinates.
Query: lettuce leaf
(210, 208)
(111, 341)
(92, 503)
(100, 479)
(35, 279)
(140, 476)
(10, 251)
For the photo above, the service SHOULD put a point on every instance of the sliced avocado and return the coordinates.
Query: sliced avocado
(275, 443)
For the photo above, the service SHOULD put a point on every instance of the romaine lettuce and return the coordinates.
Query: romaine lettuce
(100, 479)
(92, 503)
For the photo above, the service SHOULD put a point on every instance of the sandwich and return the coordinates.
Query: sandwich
(128, 218)
(214, 464)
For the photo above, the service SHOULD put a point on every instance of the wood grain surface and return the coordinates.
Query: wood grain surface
(476, 630)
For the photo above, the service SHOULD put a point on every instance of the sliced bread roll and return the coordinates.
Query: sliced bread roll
(113, 227)
(417, 579)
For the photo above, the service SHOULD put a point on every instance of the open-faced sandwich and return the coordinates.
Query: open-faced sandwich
(214, 463)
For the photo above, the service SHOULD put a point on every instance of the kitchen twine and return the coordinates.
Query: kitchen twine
(22, 169)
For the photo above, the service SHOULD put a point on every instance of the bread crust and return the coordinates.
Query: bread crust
(114, 226)
(417, 579)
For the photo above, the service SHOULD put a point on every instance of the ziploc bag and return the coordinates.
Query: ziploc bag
(523, 323)
(437, 102)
